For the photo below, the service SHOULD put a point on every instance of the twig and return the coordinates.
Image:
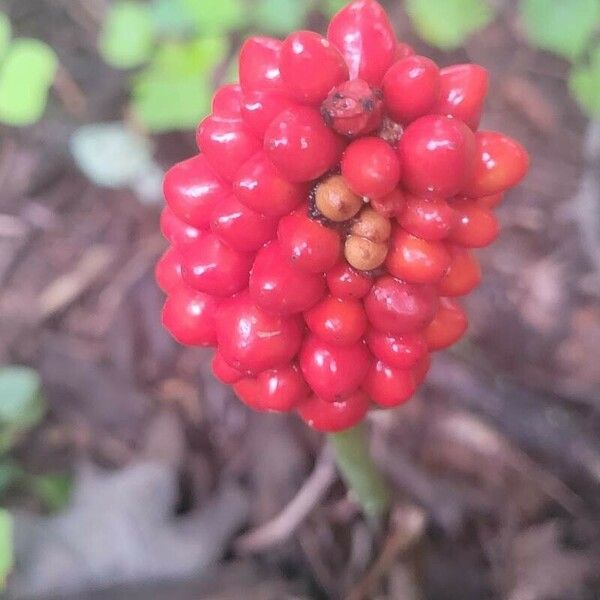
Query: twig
(287, 521)
(69, 92)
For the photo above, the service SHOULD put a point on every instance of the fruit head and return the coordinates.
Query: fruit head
(322, 236)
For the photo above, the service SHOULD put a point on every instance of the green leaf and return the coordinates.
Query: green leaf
(25, 77)
(216, 16)
(281, 16)
(584, 83)
(171, 18)
(447, 23)
(6, 546)
(21, 405)
(10, 472)
(175, 91)
(561, 27)
(127, 38)
(4, 33)
(54, 489)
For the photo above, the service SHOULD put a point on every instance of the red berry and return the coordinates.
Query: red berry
(223, 371)
(463, 274)
(252, 340)
(388, 386)
(168, 270)
(281, 389)
(462, 93)
(241, 228)
(346, 282)
(391, 205)
(189, 317)
(364, 35)
(427, 218)
(475, 227)
(260, 107)
(300, 145)
(501, 162)
(371, 167)
(226, 143)
(416, 260)
(227, 101)
(311, 66)
(400, 351)
(261, 188)
(213, 267)
(175, 230)
(191, 189)
(421, 369)
(259, 64)
(310, 246)
(277, 286)
(337, 321)
(247, 391)
(448, 325)
(333, 371)
(411, 88)
(437, 155)
(395, 306)
(334, 416)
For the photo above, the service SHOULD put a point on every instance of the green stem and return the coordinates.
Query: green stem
(360, 473)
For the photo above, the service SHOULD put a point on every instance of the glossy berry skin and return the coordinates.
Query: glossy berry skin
(190, 317)
(348, 283)
(259, 64)
(246, 390)
(261, 188)
(416, 260)
(463, 274)
(259, 108)
(411, 88)
(213, 267)
(501, 162)
(276, 286)
(241, 228)
(175, 230)
(427, 218)
(300, 145)
(281, 389)
(387, 386)
(310, 246)
(227, 101)
(223, 371)
(463, 89)
(168, 270)
(334, 416)
(337, 321)
(371, 167)
(390, 205)
(311, 66)
(475, 226)
(252, 340)
(448, 325)
(333, 371)
(398, 307)
(227, 144)
(191, 188)
(399, 351)
(437, 155)
(364, 36)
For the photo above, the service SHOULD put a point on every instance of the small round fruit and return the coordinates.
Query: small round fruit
(337, 321)
(371, 167)
(416, 260)
(398, 307)
(259, 64)
(391, 205)
(411, 88)
(168, 270)
(226, 102)
(223, 371)
(277, 286)
(346, 282)
(335, 200)
(175, 230)
(213, 267)
(372, 225)
(252, 340)
(260, 107)
(448, 325)
(247, 391)
(281, 389)
(330, 417)
(308, 245)
(421, 369)
(437, 155)
(363, 254)
(427, 218)
(300, 145)
(387, 386)
(463, 274)
(399, 351)
(475, 226)
(333, 371)
(190, 317)
(311, 66)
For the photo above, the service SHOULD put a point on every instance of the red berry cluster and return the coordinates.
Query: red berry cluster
(322, 236)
